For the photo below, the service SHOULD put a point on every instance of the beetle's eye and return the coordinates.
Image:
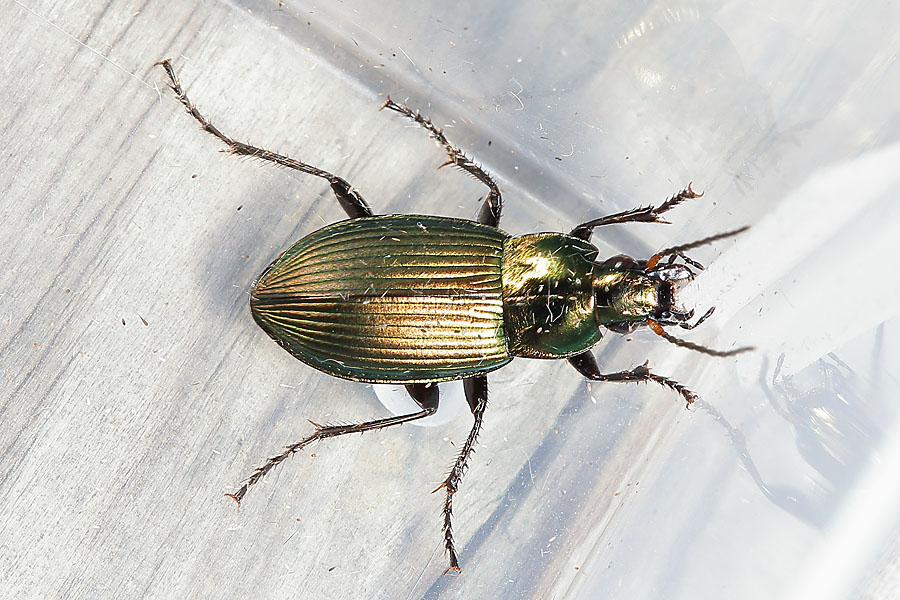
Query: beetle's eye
(665, 315)
(674, 273)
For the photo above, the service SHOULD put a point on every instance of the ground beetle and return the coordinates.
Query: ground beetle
(416, 300)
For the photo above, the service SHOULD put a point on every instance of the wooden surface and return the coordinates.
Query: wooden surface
(137, 391)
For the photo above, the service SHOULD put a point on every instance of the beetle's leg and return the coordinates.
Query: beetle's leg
(425, 395)
(477, 395)
(349, 198)
(586, 364)
(646, 214)
(493, 203)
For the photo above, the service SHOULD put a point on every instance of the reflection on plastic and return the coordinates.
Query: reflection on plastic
(395, 399)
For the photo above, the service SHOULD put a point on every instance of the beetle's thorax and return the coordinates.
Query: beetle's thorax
(548, 302)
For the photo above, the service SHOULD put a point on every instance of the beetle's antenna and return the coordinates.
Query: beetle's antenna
(658, 330)
(654, 260)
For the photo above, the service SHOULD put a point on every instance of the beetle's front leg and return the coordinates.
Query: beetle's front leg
(646, 214)
(476, 395)
(586, 364)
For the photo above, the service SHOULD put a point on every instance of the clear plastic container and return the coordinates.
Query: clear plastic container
(781, 482)
(121, 439)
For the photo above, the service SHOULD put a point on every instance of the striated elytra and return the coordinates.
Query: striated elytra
(417, 299)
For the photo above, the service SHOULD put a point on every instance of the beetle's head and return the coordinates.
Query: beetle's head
(668, 279)
(630, 293)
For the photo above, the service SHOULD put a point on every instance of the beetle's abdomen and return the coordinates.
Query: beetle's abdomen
(400, 298)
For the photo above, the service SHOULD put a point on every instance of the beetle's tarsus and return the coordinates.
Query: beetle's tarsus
(642, 214)
(448, 530)
(687, 193)
(689, 396)
(586, 364)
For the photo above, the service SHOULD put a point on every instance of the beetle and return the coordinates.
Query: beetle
(417, 300)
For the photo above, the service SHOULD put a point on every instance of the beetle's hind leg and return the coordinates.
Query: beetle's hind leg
(476, 394)
(646, 214)
(586, 364)
(349, 198)
(425, 395)
(493, 203)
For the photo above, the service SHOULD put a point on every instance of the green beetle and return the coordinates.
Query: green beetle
(417, 300)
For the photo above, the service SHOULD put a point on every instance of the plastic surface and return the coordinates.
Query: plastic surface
(785, 117)
(120, 438)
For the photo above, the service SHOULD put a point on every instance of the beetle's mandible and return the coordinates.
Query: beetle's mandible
(418, 299)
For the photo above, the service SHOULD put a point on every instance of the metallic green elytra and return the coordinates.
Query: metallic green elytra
(418, 299)
(396, 299)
